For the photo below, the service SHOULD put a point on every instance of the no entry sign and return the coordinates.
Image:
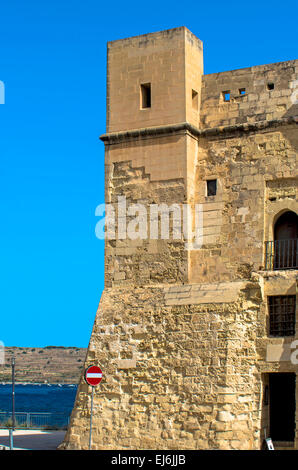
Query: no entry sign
(93, 375)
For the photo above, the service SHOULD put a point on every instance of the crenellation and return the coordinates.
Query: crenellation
(257, 104)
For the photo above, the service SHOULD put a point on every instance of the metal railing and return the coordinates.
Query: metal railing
(34, 420)
(281, 254)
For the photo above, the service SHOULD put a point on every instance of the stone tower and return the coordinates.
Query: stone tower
(196, 340)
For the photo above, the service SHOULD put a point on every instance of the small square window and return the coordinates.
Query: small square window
(146, 95)
(242, 91)
(195, 99)
(226, 96)
(270, 86)
(211, 187)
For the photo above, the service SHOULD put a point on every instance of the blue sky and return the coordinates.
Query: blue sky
(53, 65)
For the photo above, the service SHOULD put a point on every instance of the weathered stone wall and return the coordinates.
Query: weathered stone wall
(144, 261)
(237, 220)
(259, 103)
(159, 59)
(176, 375)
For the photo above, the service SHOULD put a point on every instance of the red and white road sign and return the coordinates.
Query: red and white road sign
(93, 375)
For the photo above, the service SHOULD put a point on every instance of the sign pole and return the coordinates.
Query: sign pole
(13, 394)
(13, 405)
(91, 413)
(93, 376)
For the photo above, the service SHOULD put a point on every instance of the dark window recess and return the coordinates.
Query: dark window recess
(146, 95)
(266, 396)
(242, 91)
(282, 406)
(226, 96)
(286, 241)
(211, 187)
(282, 253)
(270, 86)
(282, 310)
(195, 99)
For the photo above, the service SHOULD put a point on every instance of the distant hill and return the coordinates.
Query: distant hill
(52, 364)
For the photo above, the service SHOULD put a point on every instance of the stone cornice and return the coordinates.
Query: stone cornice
(185, 127)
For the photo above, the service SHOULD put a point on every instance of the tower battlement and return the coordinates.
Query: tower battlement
(250, 95)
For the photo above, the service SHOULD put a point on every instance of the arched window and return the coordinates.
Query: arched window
(286, 241)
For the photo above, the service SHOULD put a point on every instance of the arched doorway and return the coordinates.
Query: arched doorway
(286, 241)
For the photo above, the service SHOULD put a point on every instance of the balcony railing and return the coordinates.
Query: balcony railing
(281, 254)
(34, 420)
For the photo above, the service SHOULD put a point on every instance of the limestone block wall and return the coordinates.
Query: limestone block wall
(158, 59)
(163, 157)
(145, 260)
(268, 94)
(177, 375)
(255, 173)
(239, 219)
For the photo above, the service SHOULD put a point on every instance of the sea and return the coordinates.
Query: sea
(47, 404)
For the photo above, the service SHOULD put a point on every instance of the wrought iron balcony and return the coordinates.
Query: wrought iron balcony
(281, 254)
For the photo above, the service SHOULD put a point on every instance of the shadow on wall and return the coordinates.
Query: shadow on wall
(291, 134)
